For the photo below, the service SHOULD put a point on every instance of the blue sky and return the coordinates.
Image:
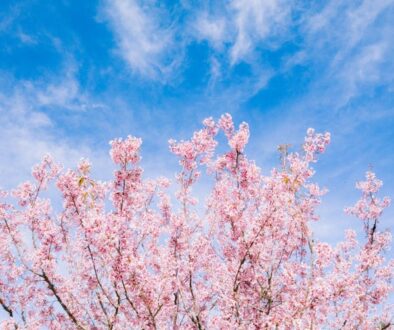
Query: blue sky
(75, 74)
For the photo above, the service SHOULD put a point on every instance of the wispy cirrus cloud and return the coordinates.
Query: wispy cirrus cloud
(256, 21)
(142, 41)
(353, 41)
(212, 29)
(244, 25)
(350, 41)
(152, 46)
(28, 113)
(62, 92)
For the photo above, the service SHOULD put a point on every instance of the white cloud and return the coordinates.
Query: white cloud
(243, 24)
(344, 24)
(354, 41)
(348, 42)
(363, 16)
(142, 42)
(62, 91)
(7, 19)
(62, 94)
(212, 29)
(215, 71)
(365, 69)
(28, 133)
(256, 20)
(235, 30)
(25, 38)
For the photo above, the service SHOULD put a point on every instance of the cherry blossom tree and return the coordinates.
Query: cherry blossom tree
(244, 258)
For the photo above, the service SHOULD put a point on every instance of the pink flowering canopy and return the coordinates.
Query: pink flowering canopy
(243, 259)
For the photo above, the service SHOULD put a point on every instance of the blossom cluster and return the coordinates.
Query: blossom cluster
(128, 254)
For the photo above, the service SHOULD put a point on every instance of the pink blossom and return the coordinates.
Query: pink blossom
(138, 253)
(125, 151)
